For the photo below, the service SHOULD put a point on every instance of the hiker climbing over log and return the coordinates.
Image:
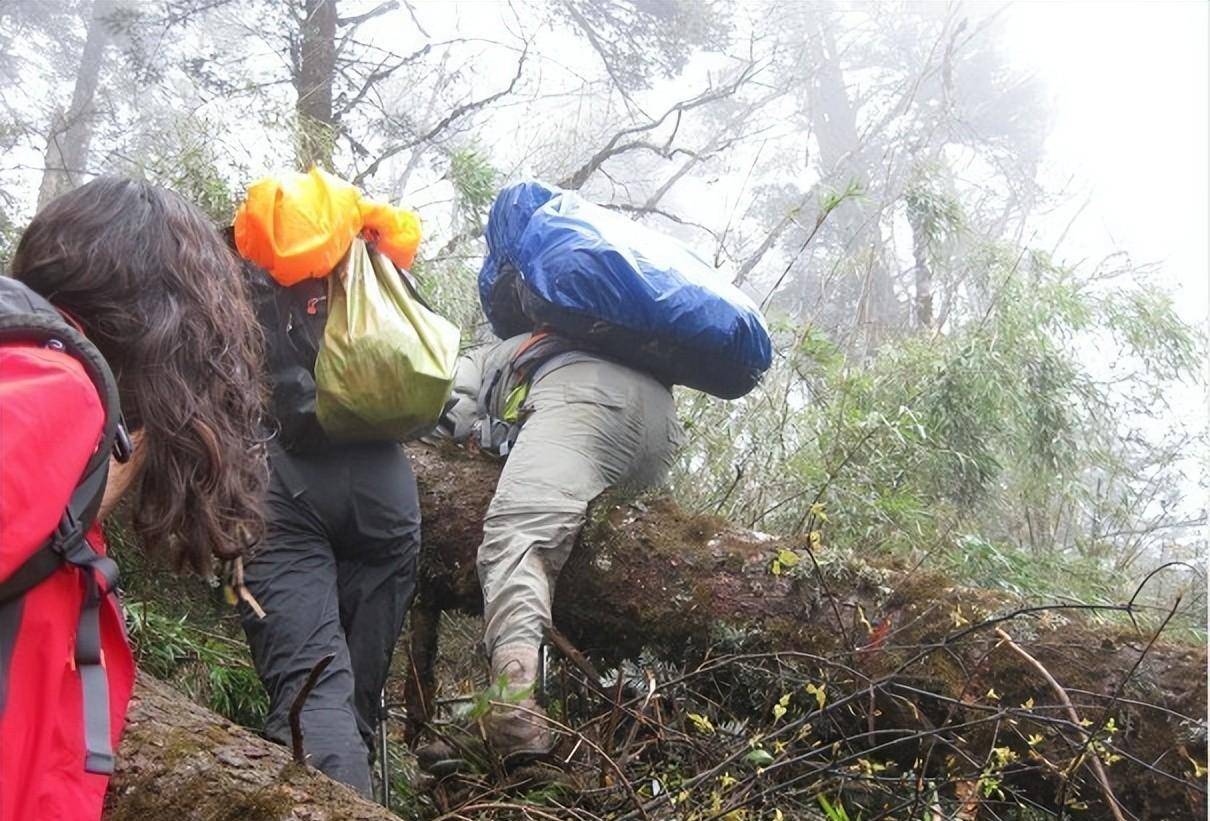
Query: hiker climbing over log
(599, 318)
(355, 366)
(584, 424)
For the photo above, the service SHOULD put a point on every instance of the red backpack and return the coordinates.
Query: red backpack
(28, 322)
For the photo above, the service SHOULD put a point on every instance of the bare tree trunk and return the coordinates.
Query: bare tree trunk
(843, 159)
(313, 80)
(71, 130)
(922, 272)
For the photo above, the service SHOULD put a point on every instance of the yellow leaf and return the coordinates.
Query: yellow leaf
(779, 747)
(776, 568)
(777, 816)
(957, 618)
(788, 558)
(869, 628)
(1004, 755)
(1199, 770)
(727, 780)
(816, 538)
(818, 511)
(993, 695)
(1028, 704)
(868, 767)
(702, 723)
(1034, 740)
(821, 696)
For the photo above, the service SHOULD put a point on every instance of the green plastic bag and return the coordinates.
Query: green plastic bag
(386, 363)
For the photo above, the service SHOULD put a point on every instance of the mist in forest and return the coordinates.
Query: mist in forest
(977, 231)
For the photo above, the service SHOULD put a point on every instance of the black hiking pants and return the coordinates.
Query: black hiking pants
(336, 574)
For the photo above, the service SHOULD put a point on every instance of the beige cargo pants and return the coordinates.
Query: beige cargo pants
(591, 425)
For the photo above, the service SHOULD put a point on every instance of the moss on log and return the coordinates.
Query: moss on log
(183, 762)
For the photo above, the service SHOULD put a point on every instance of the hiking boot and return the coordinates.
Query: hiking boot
(439, 758)
(454, 749)
(518, 732)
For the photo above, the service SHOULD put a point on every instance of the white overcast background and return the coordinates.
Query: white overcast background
(1130, 89)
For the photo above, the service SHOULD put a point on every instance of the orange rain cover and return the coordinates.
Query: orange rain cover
(298, 226)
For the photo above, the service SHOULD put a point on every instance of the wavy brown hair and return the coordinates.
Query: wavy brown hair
(154, 287)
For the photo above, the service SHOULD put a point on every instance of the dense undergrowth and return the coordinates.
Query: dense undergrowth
(184, 632)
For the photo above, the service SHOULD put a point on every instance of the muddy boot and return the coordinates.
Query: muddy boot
(439, 758)
(518, 732)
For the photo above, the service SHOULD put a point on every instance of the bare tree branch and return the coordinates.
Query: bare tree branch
(377, 11)
(616, 145)
(377, 75)
(415, 19)
(599, 48)
(459, 111)
(771, 238)
(640, 210)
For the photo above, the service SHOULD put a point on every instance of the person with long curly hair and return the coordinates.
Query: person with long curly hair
(143, 288)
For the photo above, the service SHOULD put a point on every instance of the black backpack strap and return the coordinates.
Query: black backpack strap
(51, 331)
(94, 684)
(32, 572)
(100, 575)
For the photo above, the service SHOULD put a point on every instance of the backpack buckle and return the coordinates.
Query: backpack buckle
(123, 447)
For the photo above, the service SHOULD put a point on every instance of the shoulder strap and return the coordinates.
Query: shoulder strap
(28, 318)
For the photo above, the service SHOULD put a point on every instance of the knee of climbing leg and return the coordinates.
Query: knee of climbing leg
(499, 543)
(521, 626)
(532, 538)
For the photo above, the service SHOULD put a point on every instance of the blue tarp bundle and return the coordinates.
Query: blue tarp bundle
(556, 260)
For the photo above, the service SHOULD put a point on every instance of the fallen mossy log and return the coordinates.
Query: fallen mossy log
(180, 761)
(904, 655)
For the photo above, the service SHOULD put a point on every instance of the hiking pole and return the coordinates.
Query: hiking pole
(384, 767)
(543, 668)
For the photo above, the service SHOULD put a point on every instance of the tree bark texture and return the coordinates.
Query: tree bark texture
(648, 575)
(180, 761)
(71, 130)
(314, 75)
(922, 272)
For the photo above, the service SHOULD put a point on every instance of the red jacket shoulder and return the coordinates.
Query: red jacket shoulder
(51, 420)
